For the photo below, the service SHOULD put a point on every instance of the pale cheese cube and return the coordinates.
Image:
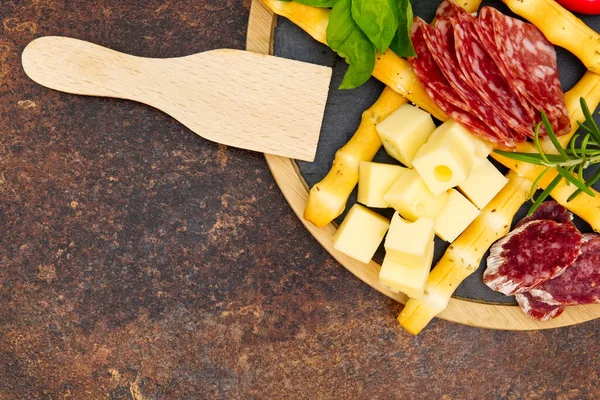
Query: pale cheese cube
(361, 233)
(375, 179)
(456, 217)
(410, 196)
(481, 148)
(483, 184)
(447, 159)
(399, 277)
(404, 131)
(408, 241)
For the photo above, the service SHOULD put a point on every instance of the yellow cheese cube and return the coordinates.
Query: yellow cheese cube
(375, 179)
(361, 233)
(408, 241)
(456, 217)
(447, 158)
(481, 148)
(399, 277)
(483, 184)
(404, 131)
(412, 199)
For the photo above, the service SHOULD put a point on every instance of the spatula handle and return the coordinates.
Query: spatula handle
(234, 97)
(78, 67)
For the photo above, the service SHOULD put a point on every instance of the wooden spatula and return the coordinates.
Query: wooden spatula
(242, 99)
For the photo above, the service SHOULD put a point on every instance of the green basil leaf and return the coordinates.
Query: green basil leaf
(316, 3)
(340, 24)
(378, 19)
(346, 38)
(359, 52)
(401, 44)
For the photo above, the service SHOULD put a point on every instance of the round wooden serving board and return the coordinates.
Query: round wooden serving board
(261, 26)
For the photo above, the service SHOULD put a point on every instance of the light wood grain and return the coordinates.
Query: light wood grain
(295, 190)
(238, 98)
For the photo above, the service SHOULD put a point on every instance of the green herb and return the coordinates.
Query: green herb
(378, 19)
(401, 43)
(358, 27)
(569, 163)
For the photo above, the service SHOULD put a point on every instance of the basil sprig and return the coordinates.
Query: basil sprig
(357, 28)
(346, 38)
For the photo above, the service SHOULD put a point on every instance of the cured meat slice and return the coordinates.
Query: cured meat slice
(433, 75)
(538, 310)
(438, 88)
(530, 255)
(440, 42)
(549, 210)
(448, 9)
(482, 74)
(579, 284)
(528, 60)
(487, 35)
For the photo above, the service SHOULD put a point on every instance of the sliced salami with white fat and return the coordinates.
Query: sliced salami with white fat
(549, 210)
(533, 253)
(448, 9)
(580, 283)
(438, 88)
(538, 310)
(528, 60)
(482, 74)
(440, 42)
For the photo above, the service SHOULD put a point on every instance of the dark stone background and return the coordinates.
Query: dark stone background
(138, 260)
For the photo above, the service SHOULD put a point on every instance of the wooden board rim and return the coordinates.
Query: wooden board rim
(261, 25)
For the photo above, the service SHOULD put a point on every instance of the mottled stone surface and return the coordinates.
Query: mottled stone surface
(138, 260)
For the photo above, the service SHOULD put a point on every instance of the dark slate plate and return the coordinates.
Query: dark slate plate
(344, 109)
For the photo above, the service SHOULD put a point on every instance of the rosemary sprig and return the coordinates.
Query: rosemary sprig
(571, 160)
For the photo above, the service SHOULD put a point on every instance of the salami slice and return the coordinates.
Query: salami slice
(439, 84)
(438, 88)
(487, 35)
(538, 310)
(579, 284)
(549, 210)
(440, 42)
(528, 60)
(482, 74)
(448, 9)
(530, 255)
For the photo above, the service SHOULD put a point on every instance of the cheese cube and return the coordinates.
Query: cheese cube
(483, 184)
(404, 131)
(447, 158)
(412, 199)
(481, 148)
(361, 233)
(456, 217)
(408, 241)
(375, 179)
(398, 277)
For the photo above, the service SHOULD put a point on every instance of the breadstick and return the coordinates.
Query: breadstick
(561, 28)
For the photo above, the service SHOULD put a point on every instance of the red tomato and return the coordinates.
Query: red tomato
(590, 7)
